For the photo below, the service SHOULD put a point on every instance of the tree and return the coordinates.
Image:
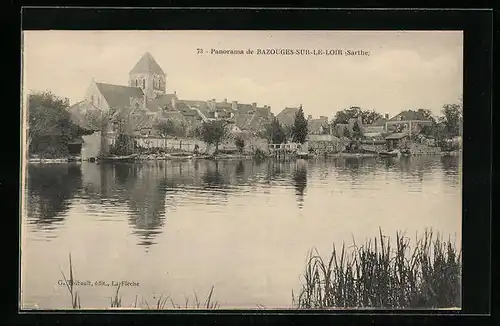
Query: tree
(453, 119)
(240, 143)
(370, 116)
(357, 133)
(274, 132)
(300, 130)
(49, 124)
(164, 128)
(346, 133)
(214, 132)
(367, 116)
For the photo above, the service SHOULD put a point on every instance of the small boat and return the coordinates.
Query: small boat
(303, 155)
(120, 158)
(392, 153)
(180, 156)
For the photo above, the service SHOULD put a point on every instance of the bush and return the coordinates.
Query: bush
(373, 276)
(240, 144)
(259, 155)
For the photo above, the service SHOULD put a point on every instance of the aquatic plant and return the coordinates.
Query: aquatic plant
(160, 303)
(259, 155)
(75, 296)
(374, 276)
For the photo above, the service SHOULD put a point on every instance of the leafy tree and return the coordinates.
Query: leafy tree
(300, 130)
(49, 124)
(367, 116)
(453, 119)
(240, 143)
(171, 128)
(214, 132)
(347, 133)
(370, 116)
(356, 131)
(274, 132)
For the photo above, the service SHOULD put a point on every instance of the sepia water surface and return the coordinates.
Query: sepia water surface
(179, 228)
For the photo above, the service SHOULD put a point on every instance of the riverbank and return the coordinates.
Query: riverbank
(187, 156)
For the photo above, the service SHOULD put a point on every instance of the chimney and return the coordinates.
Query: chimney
(234, 105)
(387, 116)
(225, 100)
(174, 102)
(254, 105)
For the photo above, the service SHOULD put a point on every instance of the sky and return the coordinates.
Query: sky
(404, 70)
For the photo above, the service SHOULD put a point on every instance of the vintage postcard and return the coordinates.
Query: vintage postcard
(241, 170)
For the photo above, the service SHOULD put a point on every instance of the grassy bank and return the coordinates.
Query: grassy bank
(375, 275)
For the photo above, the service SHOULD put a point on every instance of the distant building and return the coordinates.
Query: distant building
(396, 140)
(287, 116)
(318, 126)
(408, 121)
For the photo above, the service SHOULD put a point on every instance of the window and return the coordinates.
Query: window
(136, 83)
(92, 98)
(144, 83)
(98, 101)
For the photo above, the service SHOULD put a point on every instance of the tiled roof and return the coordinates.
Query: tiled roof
(244, 108)
(379, 122)
(147, 64)
(161, 103)
(200, 105)
(315, 126)
(174, 116)
(287, 116)
(186, 110)
(141, 120)
(241, 120)
(409, 115)
(85, 115)
(118, 96)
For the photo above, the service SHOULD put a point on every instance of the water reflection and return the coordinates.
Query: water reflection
(50, 189)
(144, 194)
(300, 182)
(147, 203)
(240, 169)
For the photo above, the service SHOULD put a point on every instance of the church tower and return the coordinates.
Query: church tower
(148, 75)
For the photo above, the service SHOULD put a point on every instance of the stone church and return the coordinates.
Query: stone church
(147, 102)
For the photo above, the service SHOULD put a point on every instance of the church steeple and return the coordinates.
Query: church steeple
(148, 75)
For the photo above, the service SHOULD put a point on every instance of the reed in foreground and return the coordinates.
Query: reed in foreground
(374, 276)
(160, 303)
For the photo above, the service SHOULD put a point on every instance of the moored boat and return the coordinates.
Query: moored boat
(121, 158)
(391, 153)
(303, 155)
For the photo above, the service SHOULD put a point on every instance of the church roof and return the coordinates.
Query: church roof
(118, 96)
(147, 64)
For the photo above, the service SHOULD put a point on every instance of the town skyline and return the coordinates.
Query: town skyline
(432, 57)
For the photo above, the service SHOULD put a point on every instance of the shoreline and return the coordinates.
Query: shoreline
(228, 157)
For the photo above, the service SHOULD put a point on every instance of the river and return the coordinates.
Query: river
(179, 228)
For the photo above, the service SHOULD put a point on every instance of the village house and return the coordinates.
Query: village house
(409, 121)
(144, 102)
(318, 126)
(396, 140)
(341, 129)
(287, 116)
(377, 128)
